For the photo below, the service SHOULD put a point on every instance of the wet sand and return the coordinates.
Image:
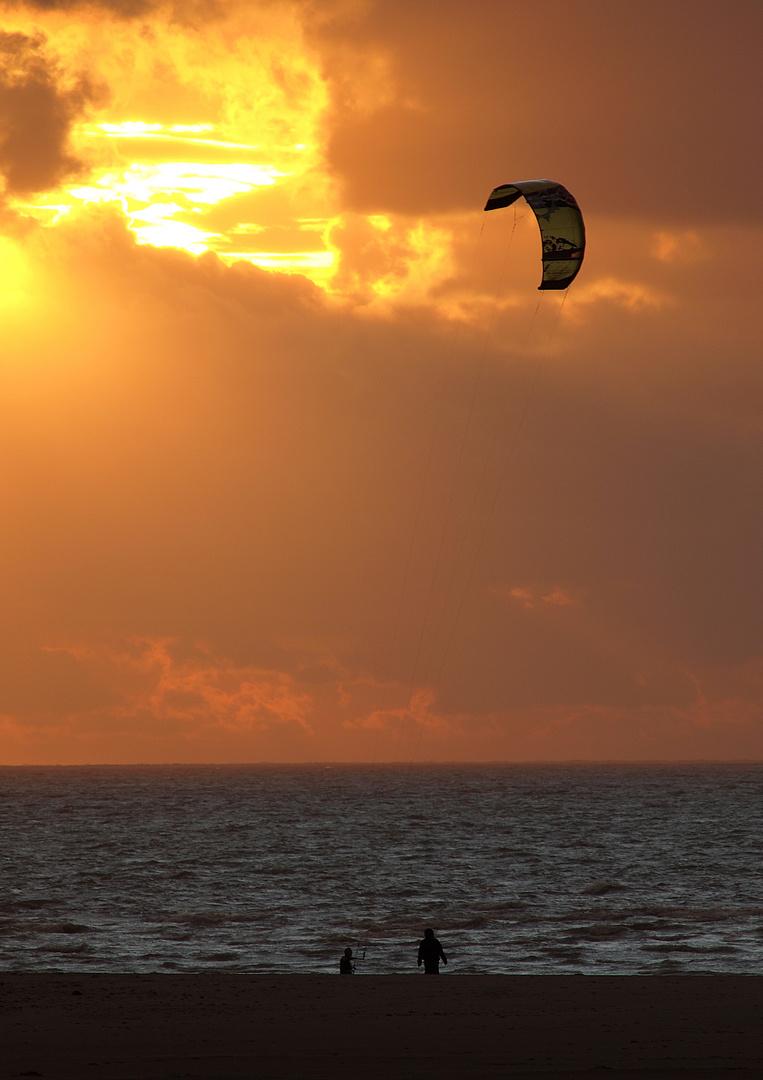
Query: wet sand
(114, 1027)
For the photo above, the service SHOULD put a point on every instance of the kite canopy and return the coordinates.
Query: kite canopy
(561, 226)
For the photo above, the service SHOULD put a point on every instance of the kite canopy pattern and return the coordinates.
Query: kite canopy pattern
(561, 226)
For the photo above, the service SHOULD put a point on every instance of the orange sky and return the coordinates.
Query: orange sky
(297, 463)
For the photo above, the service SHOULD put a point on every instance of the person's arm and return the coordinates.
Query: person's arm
(442, 954)
(420, 957)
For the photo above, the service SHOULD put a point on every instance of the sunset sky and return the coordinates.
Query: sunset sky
(297, 463)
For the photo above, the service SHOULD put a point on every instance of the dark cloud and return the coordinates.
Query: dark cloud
(187, 12)
(642, 109)
(126, 9)
(37, 110)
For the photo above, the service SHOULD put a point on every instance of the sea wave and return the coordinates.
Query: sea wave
(522, 869)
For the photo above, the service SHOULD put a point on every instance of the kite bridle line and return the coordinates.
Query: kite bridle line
(499, 488)
(420, 504)
(498, 426)
(407, 726)
(444, 382)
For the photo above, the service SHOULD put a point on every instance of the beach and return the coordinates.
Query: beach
(395, 1027)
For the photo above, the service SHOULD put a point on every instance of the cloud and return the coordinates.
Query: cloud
(534, 596)
(247, 517)
(190, 690)
(185, 10)
(633, 296)
(684, 247)
(122, 8)
(37, 110)
(228, 458)
(430, 114)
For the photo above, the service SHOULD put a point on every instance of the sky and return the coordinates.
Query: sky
(297, 463)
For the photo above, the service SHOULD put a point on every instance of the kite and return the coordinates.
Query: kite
(561, 226)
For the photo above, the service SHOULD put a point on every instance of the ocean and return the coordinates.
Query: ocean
(626, 869)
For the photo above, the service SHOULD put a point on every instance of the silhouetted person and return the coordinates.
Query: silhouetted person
(430, 953)
(346, 966)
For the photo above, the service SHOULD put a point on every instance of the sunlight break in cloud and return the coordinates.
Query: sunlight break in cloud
(142, 191)
(185, 180)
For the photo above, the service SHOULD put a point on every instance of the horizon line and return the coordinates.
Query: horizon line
(376, 764)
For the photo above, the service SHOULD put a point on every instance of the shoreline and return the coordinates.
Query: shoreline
(384, 1027)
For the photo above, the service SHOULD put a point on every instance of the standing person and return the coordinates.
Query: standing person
(430, 953)
(346, 966)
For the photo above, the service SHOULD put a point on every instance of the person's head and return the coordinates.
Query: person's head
(429, 933)
(348, 953)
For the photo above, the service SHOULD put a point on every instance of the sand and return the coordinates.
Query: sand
(113, 1027)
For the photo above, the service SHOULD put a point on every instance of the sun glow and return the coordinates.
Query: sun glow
(136, 129)
(15, 275)
(192, 133)
(318, 265)
(157, 199)
(160, 198)
(219, 147)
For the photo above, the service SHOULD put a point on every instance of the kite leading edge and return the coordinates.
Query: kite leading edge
(561, 226)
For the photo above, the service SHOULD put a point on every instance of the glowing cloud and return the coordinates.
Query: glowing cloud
(535, 596)
(685, 247)
(289, 440)
(631, 295)
(141, 190)
(182, 181)
(197, 691)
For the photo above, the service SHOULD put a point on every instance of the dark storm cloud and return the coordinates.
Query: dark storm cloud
(36, 115)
